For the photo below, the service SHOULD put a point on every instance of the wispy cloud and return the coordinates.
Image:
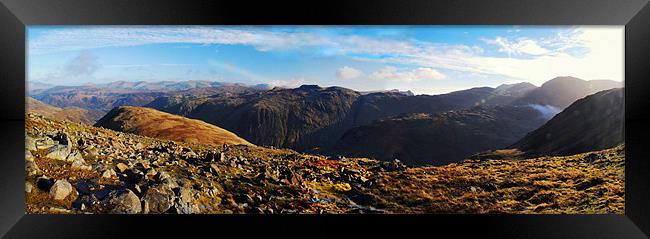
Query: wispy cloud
(144, 65)
(518, 47)
(390, 73)
(290, 83)
(85, 64)
(238, 70)
(576, 51)
(347, 72)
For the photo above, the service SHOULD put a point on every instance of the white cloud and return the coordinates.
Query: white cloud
(85, 64)
(603, 58)
(390, 73)
(347, 72)
(518, 47)
(290, 83)
(99, 37)
(530, 59)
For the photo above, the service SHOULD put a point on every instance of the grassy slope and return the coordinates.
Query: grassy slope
(158, 124)
(73, 114)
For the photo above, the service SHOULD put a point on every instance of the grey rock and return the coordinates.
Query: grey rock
(60, 190)
(73, 156)
(125, 202)
(29, 156)
(79, 163)
(31, 168)
(158, 199)
(30, 143)
(109, 173)
(58, 152)
(28, 187)
(44, 143)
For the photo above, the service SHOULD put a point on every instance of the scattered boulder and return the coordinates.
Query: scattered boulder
(31, 168)
(44, 143)
(30, 143)
(109, 173)
(58, 152)
(74, 156)
(28, 187)
(124, 202)
(158, 199)
(79, 163)
(60, 190)
(122, 167)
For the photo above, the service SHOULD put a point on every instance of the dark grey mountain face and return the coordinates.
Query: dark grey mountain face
(436, 139)
(593, 123)
(314, 118)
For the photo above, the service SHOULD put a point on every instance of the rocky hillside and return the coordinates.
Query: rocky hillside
(595, 122)
(75, 168)
(73, 114)
(560, 92)
(436, 139)
(157, 124)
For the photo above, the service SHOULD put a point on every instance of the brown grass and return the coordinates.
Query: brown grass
(157, 124)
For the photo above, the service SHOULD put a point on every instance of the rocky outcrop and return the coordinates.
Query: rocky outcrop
(437, 139)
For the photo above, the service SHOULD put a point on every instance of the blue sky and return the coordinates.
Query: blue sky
(423, 59)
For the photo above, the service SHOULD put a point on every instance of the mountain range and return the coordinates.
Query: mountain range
(387, 125)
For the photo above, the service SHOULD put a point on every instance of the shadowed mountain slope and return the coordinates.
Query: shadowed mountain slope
(312, 117)
(74, 114)
(595, 122)
(423, 139)
(560, 92)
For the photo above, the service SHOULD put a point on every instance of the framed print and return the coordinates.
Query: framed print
(358, 119)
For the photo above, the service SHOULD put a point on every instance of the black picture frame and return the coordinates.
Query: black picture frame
(15, 15)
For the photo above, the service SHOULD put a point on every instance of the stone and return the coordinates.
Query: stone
(158, 199)
(44, 143)
(109, 173)
(125, 202)
(58, 152)
(60, 190)
(122, 167)
(215, 168)
(30, 143)
(28, 187)
(167, 179)
(31, 168)
(74, 156)
(80, 164)
(29, 156)
(185, 195)
(187, 208)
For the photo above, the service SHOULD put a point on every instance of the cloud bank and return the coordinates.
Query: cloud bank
(576, 51)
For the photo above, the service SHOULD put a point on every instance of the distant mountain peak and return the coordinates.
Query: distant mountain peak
(310, 87)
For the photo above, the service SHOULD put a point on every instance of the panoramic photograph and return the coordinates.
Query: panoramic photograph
(325, 120)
